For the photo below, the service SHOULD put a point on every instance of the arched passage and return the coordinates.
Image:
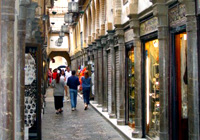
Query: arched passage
(60, 53)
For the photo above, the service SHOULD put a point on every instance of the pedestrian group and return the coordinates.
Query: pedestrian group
(66, 82)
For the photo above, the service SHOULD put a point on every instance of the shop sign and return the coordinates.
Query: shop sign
(128, 35)
(149, 26)
(177, 15)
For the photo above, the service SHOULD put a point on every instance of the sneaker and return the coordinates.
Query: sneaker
(73, 109)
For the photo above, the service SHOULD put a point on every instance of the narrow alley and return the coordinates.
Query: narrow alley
(75, 125)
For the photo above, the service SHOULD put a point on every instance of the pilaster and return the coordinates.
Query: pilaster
(7, 71)
(134, 24)
(119, 41)
(159, 10)
(20, 61)
(100, 72)
(104, 75)
(96, 92)
(192, 69)
(112, 113)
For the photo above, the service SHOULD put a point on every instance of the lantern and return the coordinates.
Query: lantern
(65, 28)
(73, 7)
(60, 40)
(68, 18)
(61, 34)
(57, 43)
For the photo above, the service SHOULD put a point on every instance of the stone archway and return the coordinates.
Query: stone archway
(60, 53)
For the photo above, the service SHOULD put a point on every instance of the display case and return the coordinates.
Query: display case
(131, 87)
(152, 88)
(33, 103)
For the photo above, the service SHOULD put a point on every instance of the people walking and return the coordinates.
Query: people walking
(86, 85)
(67, 75)
(63, 77)
(49, 76)
(73, 83)
(54, 74)
(58, 92)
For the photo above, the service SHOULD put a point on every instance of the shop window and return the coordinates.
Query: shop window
(152, 88)
(131, 88)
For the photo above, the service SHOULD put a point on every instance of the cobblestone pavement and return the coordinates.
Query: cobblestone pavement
(75, 125)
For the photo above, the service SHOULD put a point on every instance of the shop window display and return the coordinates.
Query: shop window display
(131, 87)
(152, 88)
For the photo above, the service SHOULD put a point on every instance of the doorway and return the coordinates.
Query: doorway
(130, 86)
(181, 82)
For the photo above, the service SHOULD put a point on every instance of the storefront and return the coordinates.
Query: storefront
(179, 78)
(130, 79)
(33, 69)
(150, 78)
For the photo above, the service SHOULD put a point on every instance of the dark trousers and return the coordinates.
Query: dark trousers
(86, 95)
(58, 102)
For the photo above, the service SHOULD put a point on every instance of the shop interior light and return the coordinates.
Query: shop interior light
(157, 83)
(147, 88)
(155, 43)
(185, 36)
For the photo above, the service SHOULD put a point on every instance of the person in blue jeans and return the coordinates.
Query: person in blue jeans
(86, 84)
(73, 83)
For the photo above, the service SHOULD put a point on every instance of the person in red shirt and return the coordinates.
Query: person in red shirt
(54, 73)
(49, 76)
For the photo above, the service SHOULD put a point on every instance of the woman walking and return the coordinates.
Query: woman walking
(86, 83)
(58, 92)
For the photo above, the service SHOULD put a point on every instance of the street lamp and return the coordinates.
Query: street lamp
(61, 34)
(68, 18)
(60, 40)
(64, 28)
(73, 7)
(57, 43)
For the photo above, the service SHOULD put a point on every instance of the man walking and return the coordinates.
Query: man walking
(73, 83)
(67, 75)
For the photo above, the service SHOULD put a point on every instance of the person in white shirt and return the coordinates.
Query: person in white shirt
(67, 75)
(63, 77)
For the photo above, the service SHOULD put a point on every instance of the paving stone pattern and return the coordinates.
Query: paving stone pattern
(75, 125)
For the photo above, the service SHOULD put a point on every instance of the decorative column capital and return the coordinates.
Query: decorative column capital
(94, 46)
(98, 43)
(103, 40)
(134, 22)
(24, 3)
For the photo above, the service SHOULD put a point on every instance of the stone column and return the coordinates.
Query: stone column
(122, 60)
(100, 72)
(96, 93)
(29, 25)
(192, 69)
(112, 51)
(105, 71)
(7, 70)
(20, 87)
(134, 24)
(160, 10)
